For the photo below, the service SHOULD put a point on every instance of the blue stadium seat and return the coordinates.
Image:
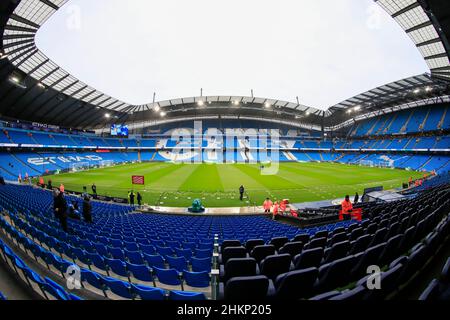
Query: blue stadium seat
(134, 257)
(93, 279)
(296, 284)
(197, 279)
(140, 272)
(241, 288)
(201, 264)
(147, 293)
(170, 277)
(278, 242)
(292, 248)
(55, 290)
(186, 296)
(154, 261)
(261, 252)
(178, 263)
(119, 288)
(252, 243)
(308, 258)
(272, 266)
(232, 252)
(118, 267)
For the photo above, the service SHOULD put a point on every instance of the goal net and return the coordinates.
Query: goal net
(78, 166)
(366, 163)
(385, 164)
(106, 163)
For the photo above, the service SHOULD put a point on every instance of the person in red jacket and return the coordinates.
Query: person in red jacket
(283, 206)
(347, 205)
(347, 208)
(275, 210)
(267, 205)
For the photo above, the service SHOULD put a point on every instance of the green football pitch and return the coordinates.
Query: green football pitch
(216, 185)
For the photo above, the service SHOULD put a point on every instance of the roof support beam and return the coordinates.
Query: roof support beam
(419, 26)
(436, 56)
(406, 9)
(426, 43)
(20, 19)
(50, 4)
(18, 43)
(21, 29)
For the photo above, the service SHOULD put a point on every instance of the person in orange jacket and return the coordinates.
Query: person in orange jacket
(275, 210)
(347, 205)
(347, 208)
(267, 205)
(283, 206)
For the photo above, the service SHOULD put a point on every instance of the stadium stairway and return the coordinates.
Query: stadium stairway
(425, 163)
(12, 286)
(444, 116)
(33, 171)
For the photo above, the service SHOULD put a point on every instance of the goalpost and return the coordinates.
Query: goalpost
(366, 163)
(385, 164)
(78, 166)
(106, 163)
(380, 164)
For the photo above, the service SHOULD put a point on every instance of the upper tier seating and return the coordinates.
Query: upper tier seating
(422, 119)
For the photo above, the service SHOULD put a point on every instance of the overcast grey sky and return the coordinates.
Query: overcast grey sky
(323, 51)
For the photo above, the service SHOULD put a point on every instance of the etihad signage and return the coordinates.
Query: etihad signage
(63, 159)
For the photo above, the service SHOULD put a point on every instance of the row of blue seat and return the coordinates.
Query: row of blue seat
(439, 288)
(43, 286)
(107, 283)
(275, 274)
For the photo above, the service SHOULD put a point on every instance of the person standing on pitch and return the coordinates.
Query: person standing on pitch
(94, 189)
(139, 199)
(131, 196)
(241, 192)
(356, 199)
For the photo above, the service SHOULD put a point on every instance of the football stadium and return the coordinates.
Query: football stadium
(219, 197)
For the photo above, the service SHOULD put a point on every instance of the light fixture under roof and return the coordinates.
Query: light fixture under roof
(267, 105)
(162, 114)
(357, 108)
(200, 103)
(107, 115)
(236, 102)
(157, 108)
(428, 89)
(416, 91)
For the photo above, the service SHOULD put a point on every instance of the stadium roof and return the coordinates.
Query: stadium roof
(424, 28)
(36, 88)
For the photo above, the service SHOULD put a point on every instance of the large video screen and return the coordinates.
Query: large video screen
(119, 130)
